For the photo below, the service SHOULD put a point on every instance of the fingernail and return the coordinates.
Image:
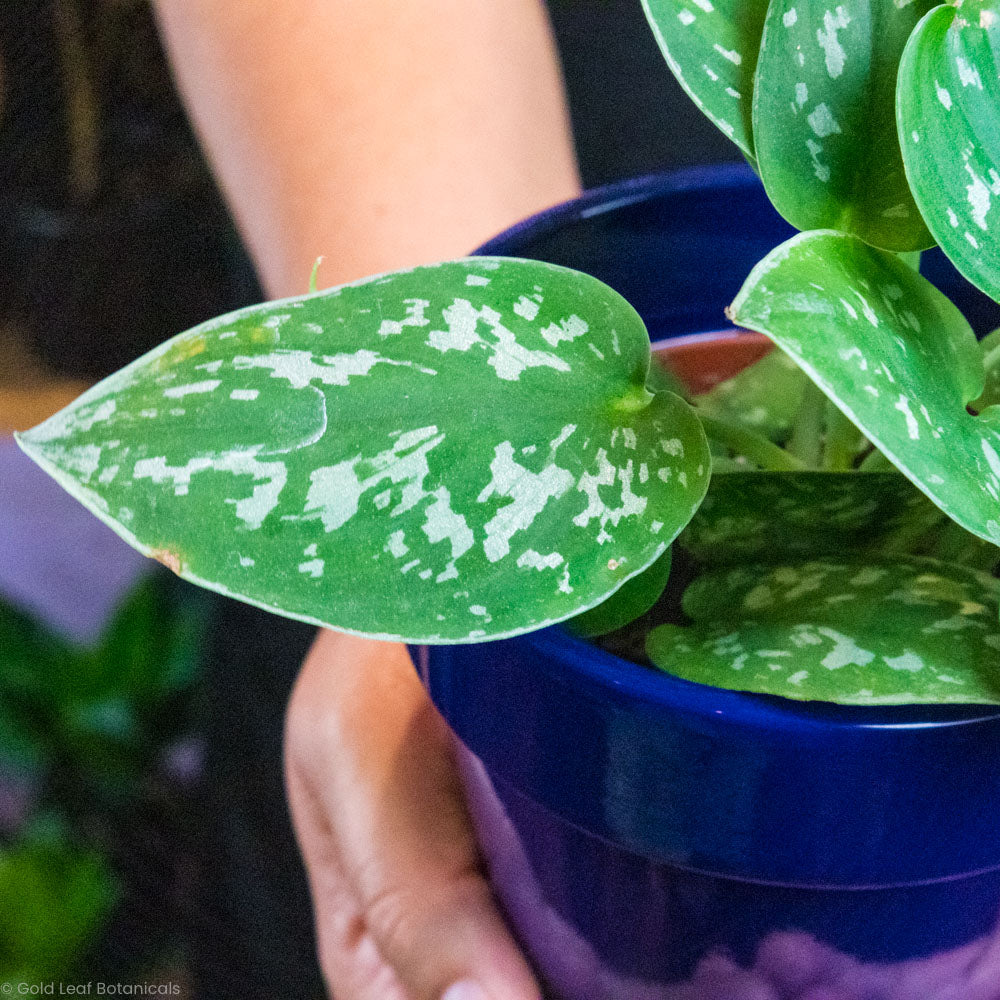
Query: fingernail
(465, 990)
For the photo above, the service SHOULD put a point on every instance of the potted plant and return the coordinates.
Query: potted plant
(804, 802)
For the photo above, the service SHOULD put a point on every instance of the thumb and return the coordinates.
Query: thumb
(395, 808)
(446, 941)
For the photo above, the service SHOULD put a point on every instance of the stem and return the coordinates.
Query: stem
(807, 431)
(81, 100)
(751, 446)
(842, 440)
(637, 398)
(312, 276)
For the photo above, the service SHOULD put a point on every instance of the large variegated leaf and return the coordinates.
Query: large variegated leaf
(711, 48)
(894, 354)
(777, 516)
(447, 454)
(854, 632)
(824, 118)
(948, 114)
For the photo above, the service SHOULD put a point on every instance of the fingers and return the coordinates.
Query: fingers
(378, 805)
(348, 956)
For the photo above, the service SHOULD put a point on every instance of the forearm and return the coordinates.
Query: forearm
(379, 135)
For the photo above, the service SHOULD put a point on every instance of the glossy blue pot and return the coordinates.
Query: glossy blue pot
(653, 839)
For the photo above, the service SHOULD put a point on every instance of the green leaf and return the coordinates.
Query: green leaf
(779, 516)
(711, 48)
(853, 632)
(948, 115)
(450, 454)
(627, 603)
(894, 354)
(764, 398)
(989, 346)
(151, 648)
(824, 118)
(29, 654)
(22, 751)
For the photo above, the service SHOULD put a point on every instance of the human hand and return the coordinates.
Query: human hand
(402, 909)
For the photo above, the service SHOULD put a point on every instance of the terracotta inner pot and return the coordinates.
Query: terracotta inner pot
(704, 360)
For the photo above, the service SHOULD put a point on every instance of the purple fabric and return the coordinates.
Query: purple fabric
(57, 561)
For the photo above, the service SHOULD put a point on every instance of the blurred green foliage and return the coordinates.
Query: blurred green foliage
(82, 731)
(54, 897)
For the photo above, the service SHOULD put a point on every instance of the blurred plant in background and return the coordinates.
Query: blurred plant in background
(96, 756)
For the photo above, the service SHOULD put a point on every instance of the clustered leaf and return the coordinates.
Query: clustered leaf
(948, 111)
(765, 397)
(867, 632)
(824, 118)
(625, 605)
(478, 449)
(775, 516)
(894, 354)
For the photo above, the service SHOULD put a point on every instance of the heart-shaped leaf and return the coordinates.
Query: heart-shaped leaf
(711, 48)
(448, 454)
(894, 354)
(779, 516)
(824, 120)
(632, 599)
(948, 115)
(858, 633)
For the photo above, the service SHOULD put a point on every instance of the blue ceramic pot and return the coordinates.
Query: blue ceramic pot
(654, 839)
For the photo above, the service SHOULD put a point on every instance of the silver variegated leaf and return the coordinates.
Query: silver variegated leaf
(711, 48)
(627, 603)
(824, 118)
(777, 516)
(856, 632)
(896, 357)
(990, 348)
(765, 397)
(448, 454)
(948, 115)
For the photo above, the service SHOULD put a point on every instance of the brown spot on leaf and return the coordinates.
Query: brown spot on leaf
(169, 559)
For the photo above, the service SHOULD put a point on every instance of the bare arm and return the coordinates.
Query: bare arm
(379, 134)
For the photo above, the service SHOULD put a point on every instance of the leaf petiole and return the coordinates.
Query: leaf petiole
(751, 446)
(842, 441)
(807, 431)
